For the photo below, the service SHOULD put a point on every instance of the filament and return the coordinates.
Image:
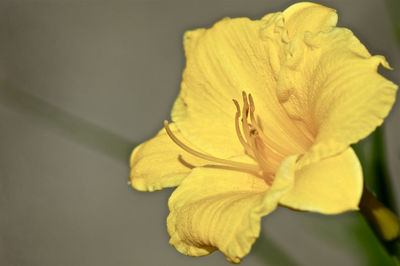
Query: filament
(207, 157)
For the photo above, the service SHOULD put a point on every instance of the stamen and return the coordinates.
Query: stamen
(252, 117)
(257, 127)
(260, 158)
(246, 146)
(207, 157)
(252, 105)
(245, 125)
(254, 136)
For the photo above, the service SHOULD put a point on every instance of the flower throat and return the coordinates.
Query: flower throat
(251, 137)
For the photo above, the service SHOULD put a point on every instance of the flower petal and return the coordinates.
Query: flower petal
(234, 55)
(306, 16)
(221, 209)
(159, 163)
(330, 84)
(331, 186)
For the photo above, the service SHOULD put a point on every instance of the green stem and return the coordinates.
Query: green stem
(385, 223)
(378, 208)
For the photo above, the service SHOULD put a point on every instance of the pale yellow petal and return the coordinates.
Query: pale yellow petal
(306, 16)
(221, 209)
(329, 84)
(330, 186)
(234, 55)
(159, 163)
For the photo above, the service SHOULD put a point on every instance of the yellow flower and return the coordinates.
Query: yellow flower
(303, 91)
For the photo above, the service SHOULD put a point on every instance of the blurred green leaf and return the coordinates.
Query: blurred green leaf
(66, 124)
(351, 232)
(394, 11)
(366, 240)
(268, 250)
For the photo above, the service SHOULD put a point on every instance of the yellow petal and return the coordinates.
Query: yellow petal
(234, 55)
(159, 163)
(330, 186)
(306, 16)
(329, 83)
(221, 209)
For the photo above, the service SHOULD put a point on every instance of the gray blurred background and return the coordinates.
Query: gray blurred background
(82, 83)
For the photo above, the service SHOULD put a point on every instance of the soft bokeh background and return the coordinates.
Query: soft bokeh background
(82, 83)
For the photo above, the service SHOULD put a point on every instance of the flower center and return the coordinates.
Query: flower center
(252, 140)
